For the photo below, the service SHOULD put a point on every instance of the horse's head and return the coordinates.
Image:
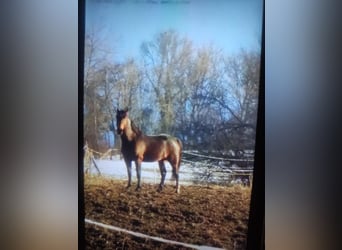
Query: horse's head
(121, 120)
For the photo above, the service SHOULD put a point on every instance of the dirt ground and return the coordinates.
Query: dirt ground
(214, 216)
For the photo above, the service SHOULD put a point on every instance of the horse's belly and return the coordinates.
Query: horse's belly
(146, 159)
(153, 156)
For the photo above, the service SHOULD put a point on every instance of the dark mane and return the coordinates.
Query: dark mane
(135, 128)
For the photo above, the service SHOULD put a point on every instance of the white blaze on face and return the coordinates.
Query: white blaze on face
(123, 124)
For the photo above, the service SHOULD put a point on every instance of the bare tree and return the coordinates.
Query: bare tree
(166, 59)
(241, 98)
(96, 88)
(203, 87)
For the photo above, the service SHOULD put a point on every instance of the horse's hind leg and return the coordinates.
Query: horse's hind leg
(175, 173)
(176, 176)
(163, 174)
(138, 168)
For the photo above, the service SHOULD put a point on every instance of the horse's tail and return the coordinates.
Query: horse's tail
(180, 150)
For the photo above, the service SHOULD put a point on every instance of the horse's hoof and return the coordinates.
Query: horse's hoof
(138, 189)
(128, 186)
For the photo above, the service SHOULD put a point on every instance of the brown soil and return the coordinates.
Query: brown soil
(212, 216)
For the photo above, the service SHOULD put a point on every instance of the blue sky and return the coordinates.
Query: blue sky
(227, 24)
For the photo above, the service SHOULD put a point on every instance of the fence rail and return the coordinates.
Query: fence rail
(218, 158)
(219, 169)
(145, 236)
(225, 164)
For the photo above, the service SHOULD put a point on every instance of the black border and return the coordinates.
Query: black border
(81, 39)
(256, 223)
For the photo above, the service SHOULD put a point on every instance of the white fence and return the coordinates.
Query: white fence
(145, 236)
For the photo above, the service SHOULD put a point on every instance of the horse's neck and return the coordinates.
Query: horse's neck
(129, 133)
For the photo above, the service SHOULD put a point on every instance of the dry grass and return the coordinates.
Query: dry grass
(214, 216)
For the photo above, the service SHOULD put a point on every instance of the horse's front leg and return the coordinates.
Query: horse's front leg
(129, 172)
(138, 168)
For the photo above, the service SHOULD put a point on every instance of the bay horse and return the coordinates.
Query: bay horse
(138, 147)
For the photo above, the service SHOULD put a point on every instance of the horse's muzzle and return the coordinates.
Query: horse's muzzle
(119, 131)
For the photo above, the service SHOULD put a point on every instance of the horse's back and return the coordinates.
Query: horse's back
(157, 147)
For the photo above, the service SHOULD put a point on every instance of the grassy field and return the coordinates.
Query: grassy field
(213, 216)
